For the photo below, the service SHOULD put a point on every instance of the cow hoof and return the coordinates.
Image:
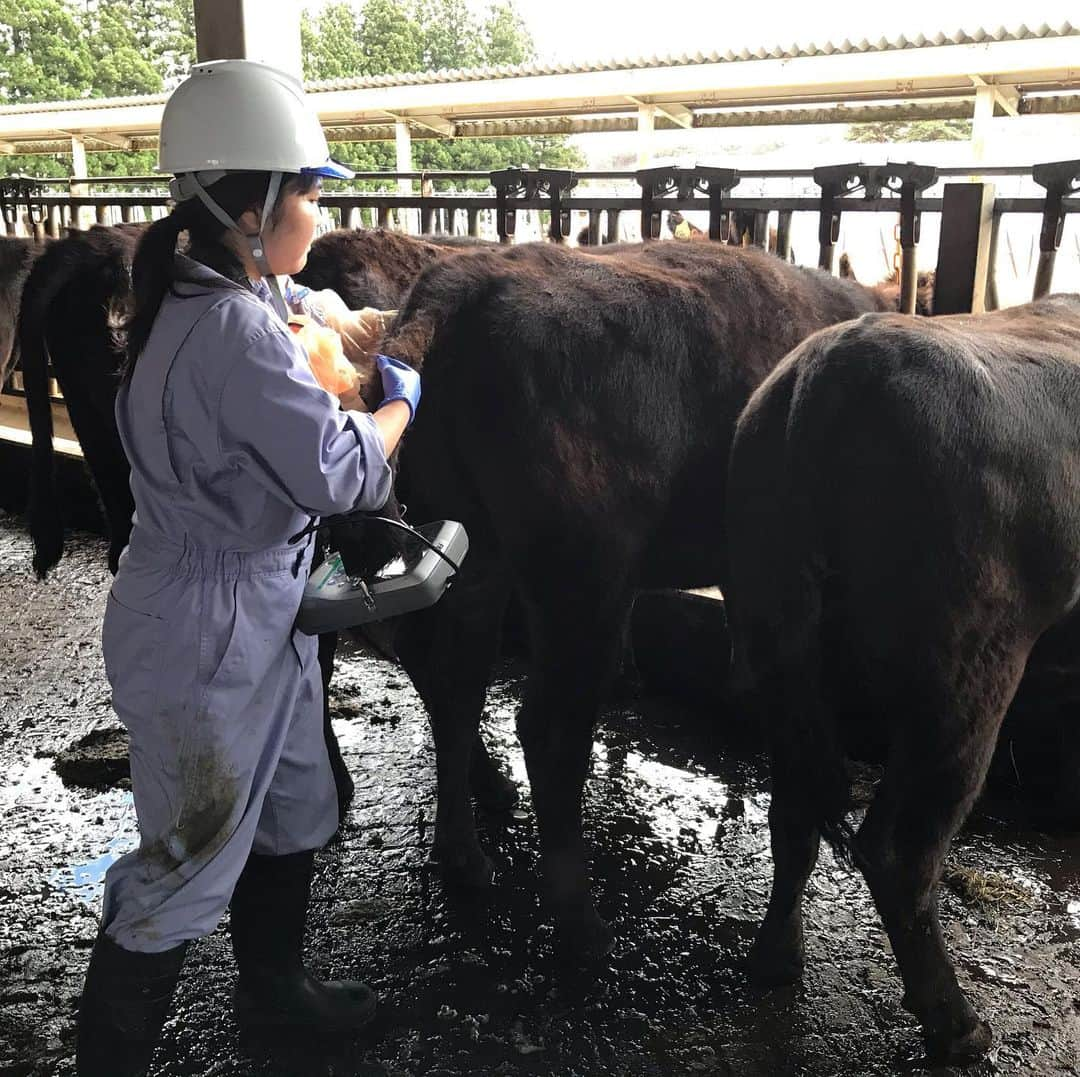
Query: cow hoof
(943, 1048)
(770, 967)
(584, 942)
(494, 791)
(471, 869)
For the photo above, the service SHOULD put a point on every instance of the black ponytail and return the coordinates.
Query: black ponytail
(156, 269)
(153, 274)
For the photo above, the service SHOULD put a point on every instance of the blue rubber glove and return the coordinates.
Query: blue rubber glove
(400, 382)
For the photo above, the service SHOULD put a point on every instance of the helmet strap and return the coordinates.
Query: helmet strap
(190, 184)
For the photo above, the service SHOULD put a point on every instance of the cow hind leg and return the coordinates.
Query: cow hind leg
(491, 786)
(449, 651)
(936, 768)
(777, 956)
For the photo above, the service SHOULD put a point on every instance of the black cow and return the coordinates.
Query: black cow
(16, 258)
(577, 416)
(375, 267)
(74, 304)
(904, 506)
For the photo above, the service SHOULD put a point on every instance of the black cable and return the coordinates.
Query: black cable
(399, 524)
(402, 526)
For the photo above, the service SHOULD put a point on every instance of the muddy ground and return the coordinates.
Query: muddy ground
(472, 986)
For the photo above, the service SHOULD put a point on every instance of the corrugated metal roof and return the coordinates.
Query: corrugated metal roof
(480, 74)
(778, 52)
(83, 103)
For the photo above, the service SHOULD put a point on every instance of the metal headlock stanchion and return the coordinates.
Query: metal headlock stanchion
(913, 179)
(519, 184)
(658, 183)
(16, 192)
(1060, 178)
(908, 180)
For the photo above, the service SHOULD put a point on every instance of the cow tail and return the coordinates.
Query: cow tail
(811, 728)
(812, 592)
(46, 523)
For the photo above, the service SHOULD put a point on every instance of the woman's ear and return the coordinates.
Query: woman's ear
(249, 222)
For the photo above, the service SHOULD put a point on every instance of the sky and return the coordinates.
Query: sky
(596, 29)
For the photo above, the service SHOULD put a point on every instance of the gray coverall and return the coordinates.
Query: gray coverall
(233, 447)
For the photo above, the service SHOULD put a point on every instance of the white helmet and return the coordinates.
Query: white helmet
(241, 116)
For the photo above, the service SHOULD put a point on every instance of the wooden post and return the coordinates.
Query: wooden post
(992, 301)
(383, 216)
(427, 215)
(760, 232)
(125, 212)
(265, 30)
(612, 226)
(646, 125)
(981, 121)
(473, 216)
(783, 235)
(967, 213)
(403, 151)
(101, 214)
(594, 227)
(78, 190)
(53, 227)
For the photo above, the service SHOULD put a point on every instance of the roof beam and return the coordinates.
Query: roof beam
(1007, 98)
(7, 148)
(118, 142)
(679, 115)
(443, 127)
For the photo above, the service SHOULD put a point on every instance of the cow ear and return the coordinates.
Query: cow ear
(844, 268)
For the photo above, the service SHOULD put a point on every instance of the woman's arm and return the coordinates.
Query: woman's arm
(276, 423)
(391, 419)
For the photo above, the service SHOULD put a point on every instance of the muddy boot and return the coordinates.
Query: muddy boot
(123, 1007)
(268, 910)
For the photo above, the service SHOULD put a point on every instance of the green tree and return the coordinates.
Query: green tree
(396, 36)
(505, 38)
(911, 131)
(331, 43)
(450, 35)
(120, 66)
(58, 50)
(44, 52)
(390, 38)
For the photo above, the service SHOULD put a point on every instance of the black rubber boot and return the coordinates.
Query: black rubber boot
(124, 1004)
(269, 907)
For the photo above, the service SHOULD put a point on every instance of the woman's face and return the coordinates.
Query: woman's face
(288, 238)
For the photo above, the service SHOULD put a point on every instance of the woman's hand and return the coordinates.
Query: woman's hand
(400, 382)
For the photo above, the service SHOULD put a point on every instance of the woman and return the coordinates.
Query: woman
(233, 447)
